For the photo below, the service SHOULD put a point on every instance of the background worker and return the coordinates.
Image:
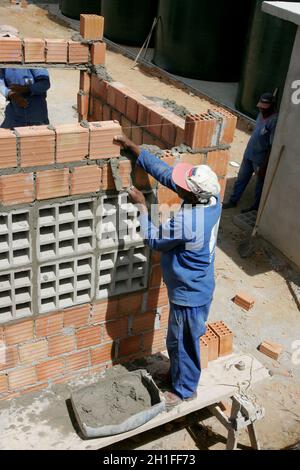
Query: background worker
(25, 91)
(187, 243)
(257, 154)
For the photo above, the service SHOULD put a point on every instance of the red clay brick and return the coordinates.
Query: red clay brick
(97, 110)
(154, 124)
(98, 53)
(49, 325)
(132, 108)
(3, 383)
(142, 179)
(218, 162)
(116, 329)
(244, 300)
(271, 349)
(8, 357)
(21, 377)
(101, 139)
(18, 333)
(52, 183)
(143, 322)
(90, 336)
(225, 337)
(16, 189)
(104, 311)
(156, 276)
(102, 354)
(91, 26)
(50, 369)
(78, 360)
(137, 135)
(223, 183)
(196, 159)
(155, 341)
(34, 50)
(130, 345)
(229, 125)
(61, 344)
(99, 88)
(164, 317)
(76, 317)
(33, 351)
(85, 81)
(56, 51)
(126, 127)
(72, 142)
(213, 344)
(130, 304)
(8, 149)
(157, 297)
(200, 130)
(203, 353)
(85, 179)
(10, 50)
(37, 145)
(78, 53)
(124, 174)
(82, 104)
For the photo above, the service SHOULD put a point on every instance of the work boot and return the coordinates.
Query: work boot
(249, 209)
(229, 205)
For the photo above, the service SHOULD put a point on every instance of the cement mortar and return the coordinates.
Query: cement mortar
(171, 105)
(153, 149)
(101, 72)
(113, 400)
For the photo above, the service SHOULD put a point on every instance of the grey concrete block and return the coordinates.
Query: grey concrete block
(65, 230)
(15, 249)
(65, 283)
(15, 295)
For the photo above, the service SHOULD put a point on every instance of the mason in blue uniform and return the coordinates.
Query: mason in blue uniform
(187, 244)
(256, 156)
(26, 92)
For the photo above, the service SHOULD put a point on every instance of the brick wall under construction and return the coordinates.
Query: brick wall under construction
(79, 289)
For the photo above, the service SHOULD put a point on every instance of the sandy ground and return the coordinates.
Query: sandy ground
(275, 315)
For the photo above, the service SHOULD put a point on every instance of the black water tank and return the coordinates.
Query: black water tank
(128, 21)
(73, 8)
(202, 39)
(267, 57)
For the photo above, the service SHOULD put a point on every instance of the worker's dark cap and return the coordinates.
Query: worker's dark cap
(266, 100)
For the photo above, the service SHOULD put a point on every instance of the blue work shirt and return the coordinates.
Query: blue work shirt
(261, 140)
(36, 113)
(187, 241)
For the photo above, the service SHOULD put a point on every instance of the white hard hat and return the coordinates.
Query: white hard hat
(200, 180)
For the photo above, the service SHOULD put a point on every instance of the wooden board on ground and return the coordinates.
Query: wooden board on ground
(53, 429)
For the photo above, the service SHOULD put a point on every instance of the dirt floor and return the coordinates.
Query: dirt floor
(264, 276)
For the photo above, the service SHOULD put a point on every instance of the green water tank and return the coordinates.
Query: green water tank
(267, 58)
(73, 8)
(128, 21)
(202, 39)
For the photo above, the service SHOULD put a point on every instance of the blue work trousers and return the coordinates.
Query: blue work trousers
(245, 174)
(186, 325)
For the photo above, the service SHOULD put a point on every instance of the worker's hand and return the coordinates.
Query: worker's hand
(138, 198)
(127, 144)
(19, 88)
(18, 99)
(122, 141)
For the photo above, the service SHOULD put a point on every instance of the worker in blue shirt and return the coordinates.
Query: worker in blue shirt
(26, 92)
(256, 156)
(187, 243)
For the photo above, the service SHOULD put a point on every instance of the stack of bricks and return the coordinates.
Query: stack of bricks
(90, 51)
(217, 342)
